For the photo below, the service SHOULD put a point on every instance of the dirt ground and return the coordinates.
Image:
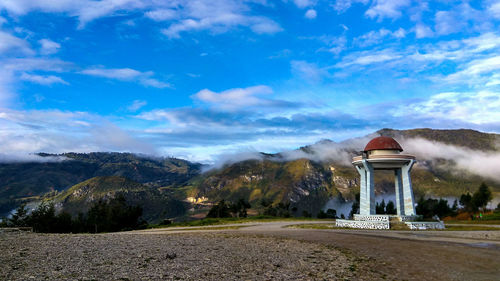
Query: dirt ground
(401, 255)
(257, 251)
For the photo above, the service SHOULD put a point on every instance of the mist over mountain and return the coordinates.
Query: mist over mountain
(450, 162)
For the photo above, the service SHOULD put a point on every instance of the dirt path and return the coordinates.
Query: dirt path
(399, 255)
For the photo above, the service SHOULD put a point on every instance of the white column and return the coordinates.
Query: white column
(370, 188)
(363, 210)
(409, 202)
(399, 192)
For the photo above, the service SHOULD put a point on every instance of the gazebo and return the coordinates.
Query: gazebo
(384, 153)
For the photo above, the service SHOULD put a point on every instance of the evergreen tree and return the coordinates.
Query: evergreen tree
(20, 217)
(482, 196)
(466, 202)
(390, 208)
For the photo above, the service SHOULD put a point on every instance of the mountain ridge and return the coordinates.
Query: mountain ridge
(305, 178)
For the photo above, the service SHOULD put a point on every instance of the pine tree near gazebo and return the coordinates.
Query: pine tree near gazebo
(482, 196)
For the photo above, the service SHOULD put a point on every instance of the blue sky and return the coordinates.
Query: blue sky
(196, 79)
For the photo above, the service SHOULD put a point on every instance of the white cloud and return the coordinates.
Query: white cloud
(48, 47)
(423, 31)
(265, 26)
(303, 3)
(2, 21)
(468, 107)
(376, 36)
(447, 23)
(11, 43)
(475, 70)
(335, 44)
(114, 73)
(475, 161)
(32, 64)
(54, 131)
(368, 57)
(218, 17)
(127, 74)
(311, 14)
(494, 9)
(43, 80)
(6, 92)
(85, 10)
(387, 8)
(136, 105)
(308, 71)
(343, 5)
(162, 14)
(237, 97)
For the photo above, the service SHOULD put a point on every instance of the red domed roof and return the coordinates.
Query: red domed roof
(383, 143)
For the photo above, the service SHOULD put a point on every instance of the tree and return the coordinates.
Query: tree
(466, 202)
(482, 196)
(306, 214)
(220, 210)
(321, 214)
(331, 213)
(20, 217)
(354, 207)
(43, 218)
(113, 215)
(380, 208)
(454, 208)
(239, 208)
(431, 207)
(390, 208)
(279, 210)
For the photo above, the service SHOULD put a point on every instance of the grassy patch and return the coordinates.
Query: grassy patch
(312, 226)
(221, 221)
(469, 228)
(210, 228)
(494, 222)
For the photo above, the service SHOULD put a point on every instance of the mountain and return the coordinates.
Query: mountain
(302, 183)
(307, 178)
(28, 181)
(156, 203)
(464, 137)
(314, 177)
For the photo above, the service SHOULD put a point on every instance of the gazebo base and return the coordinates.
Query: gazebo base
(386, 221)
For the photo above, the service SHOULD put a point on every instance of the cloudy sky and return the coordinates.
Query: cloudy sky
(199, 78)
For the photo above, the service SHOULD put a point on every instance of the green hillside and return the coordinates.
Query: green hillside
(156, 204)
(27, 181)
(302, 183)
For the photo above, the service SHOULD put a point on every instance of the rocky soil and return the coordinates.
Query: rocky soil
(193, 256)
